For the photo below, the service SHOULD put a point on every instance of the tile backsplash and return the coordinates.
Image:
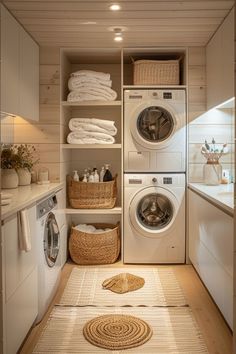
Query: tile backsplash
(217, 124)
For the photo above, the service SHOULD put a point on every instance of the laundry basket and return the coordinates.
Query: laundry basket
(156, 72)
(99, 195)
(95, 248)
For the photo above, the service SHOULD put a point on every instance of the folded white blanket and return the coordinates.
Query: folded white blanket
(91, 73)
(89, 229)
(86, 92)
(75, 82)
(89, 138)
(93, 124)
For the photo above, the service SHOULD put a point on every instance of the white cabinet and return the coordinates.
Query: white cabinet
(220, 64)
(10, 55)
(19, 69)
(19, 283)
(29, 77)
(211, 251)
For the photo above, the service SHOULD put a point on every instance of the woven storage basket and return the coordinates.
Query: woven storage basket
(101, 195)
(90, 248)
(156, 72)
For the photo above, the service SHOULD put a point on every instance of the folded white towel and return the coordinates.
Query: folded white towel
(103, 123)
(90, 229)
(76, 125)
(92, 92)
(24, 231)
(93, 74)
(89, 138)
(75, 82)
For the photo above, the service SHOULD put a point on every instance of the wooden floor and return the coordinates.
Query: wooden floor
(217, 335)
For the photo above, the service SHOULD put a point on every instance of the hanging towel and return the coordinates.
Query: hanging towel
(24, 230)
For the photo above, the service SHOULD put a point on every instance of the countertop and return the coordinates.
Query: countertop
(221, 195)
(26, 195)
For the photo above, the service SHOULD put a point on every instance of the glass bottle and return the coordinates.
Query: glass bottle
(75, 176)
(102, 173)
(107, 176)
(96, 176)
(85, 178)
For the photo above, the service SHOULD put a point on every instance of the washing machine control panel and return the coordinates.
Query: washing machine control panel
(45, 206)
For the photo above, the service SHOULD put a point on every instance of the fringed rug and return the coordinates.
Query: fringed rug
(84, 288)
(174, 331)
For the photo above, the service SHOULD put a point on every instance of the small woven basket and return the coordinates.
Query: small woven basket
(92, 248)
(156, 72)
(99, 195)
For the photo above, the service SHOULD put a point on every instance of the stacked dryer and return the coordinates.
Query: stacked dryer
(154, 183)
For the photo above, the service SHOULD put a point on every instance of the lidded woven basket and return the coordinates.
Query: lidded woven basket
(99, 195)
(156, 72)
(95, 248)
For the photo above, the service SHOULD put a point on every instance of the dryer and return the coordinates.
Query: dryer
(154, 218)
(155, 130)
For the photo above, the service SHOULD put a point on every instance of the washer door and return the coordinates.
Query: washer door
(152, 211)
(153, 124)
(51, 240)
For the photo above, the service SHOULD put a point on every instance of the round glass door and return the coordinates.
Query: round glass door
(154, 211)
(51, 240)
(155, 124)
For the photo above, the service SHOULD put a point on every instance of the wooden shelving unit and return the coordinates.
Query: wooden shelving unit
(91, 146)
(91, 103)
(115, 211)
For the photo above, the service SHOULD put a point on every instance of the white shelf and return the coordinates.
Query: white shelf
(159, 87)
(91, 146)
(91, 103)
(116, 210)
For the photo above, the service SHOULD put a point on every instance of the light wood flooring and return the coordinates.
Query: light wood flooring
(217, 334)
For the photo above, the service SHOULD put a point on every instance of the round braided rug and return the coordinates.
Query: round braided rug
(117, 332)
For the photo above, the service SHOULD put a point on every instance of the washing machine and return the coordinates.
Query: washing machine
(155, 130)
(154, 218)
(48, 252)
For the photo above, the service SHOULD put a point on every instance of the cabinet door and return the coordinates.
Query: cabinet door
(29, 77)
(220, 64)
(10, 63)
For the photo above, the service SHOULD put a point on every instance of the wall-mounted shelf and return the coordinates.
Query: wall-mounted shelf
(91, 103)
(160, 87)
(91, 146)
(116, 210)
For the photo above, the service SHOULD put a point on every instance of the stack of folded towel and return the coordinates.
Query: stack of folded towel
(87, 85)
(91, 131)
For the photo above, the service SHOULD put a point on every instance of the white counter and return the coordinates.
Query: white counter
(221, 195)
(26, 195)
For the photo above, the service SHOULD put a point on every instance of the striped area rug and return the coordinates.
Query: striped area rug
(84, 288)
(174, 331)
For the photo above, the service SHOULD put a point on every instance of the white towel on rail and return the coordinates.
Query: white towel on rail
(24, 233)
(93, 74)
(93, 124)
(75, 82)
(89, 138)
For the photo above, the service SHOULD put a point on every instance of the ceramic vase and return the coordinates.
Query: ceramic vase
(9, 178)
(24, 176)
(212, 174)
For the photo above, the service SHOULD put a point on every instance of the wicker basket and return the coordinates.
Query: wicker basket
(101, 195)
(156, 72)
(102, 248)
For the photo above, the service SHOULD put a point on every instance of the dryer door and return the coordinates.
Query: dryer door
(51, 240)
(153, 125)
(152, 211)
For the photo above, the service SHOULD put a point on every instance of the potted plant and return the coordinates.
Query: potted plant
(9, 177)
(26, 158)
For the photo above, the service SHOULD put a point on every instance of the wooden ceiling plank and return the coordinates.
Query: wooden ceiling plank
(93, 15)
(127, 6)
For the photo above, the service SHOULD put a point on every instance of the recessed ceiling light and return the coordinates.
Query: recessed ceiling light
(114, 7)
(89, 23)
(118, 39)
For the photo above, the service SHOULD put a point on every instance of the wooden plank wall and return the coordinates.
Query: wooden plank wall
(217, 124)
(45, 134)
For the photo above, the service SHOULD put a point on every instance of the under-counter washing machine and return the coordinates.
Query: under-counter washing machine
(154, 218)
(48, 248)
(155, 130)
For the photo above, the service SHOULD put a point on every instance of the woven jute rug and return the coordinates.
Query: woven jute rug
(175, 331)
(84, 288)
(117, 332)
(123, 283)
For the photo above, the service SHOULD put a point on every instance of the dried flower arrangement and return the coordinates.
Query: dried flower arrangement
(212, 152)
